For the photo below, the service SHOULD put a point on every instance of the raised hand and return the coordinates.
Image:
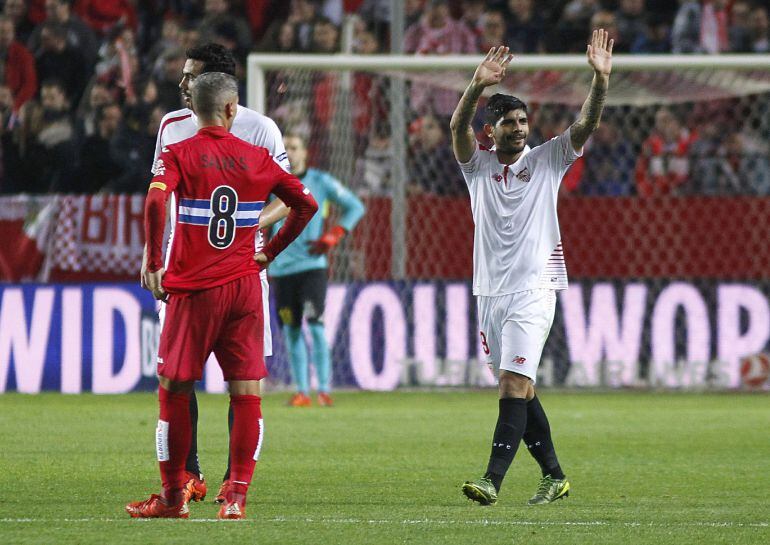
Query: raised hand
(599, 52)
(492, 69)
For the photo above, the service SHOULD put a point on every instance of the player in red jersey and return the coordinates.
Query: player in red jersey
(211, 285)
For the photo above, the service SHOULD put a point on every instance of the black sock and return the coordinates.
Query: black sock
(537, 437)
(511, 422)
(192, 464)
(230, 431)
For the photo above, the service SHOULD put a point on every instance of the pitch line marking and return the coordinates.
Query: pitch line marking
(405, 522)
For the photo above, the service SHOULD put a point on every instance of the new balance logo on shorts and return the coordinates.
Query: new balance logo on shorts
(521, 360)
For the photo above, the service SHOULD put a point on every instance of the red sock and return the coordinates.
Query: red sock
(172, 440)
(245, 442)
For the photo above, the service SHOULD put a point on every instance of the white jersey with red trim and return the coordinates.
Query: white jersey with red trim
(248, 125)
(517, 242)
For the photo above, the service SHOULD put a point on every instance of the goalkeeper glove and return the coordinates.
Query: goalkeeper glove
(327, 241)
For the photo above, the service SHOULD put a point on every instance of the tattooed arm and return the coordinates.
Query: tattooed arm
(599, 55)
(489, 72)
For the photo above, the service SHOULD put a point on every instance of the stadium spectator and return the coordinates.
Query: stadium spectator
(97, 95)
(10, 166)
(170, 39)
(97, 167)
(608, 164)
(16, 11)
(56, 58)
(80, 37)
(663, 165)
(760, 30)
(377, 15)
(436, 33)
(471, 12)
(369, 105)
(49, 141)
(133, 148)
(260, 13)
(729, 164)
(300, 274)
(103, 15)
(431, 163)
(740, 27)
(302, 17)
(374, 166)
(700, 26)
(366, 43)
(167, 77)
(569, 31)
(189, 37)
(525, 27)
(492, 30)
(325, 37)
(119, 61)
(219, 24)
(656, 38)
(19, 65)
(629, 18)
(606, 19)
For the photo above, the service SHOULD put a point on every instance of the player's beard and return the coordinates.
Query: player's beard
(507, 145)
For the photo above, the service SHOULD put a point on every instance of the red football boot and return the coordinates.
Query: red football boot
(325, 400)
(234, 506)
(300, 400)
(195, 487)
(156, 507)
(222, 492)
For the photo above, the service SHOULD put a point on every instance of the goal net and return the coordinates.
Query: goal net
(663, 218)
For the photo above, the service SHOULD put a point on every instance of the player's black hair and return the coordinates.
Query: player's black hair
(499, 104)
(215, 58)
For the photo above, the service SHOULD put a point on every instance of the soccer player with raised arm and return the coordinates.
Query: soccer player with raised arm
(299, 274)
(518, 264)
(251, 127)
(211, 285)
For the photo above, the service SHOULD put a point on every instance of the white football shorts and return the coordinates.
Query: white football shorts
(514, 328)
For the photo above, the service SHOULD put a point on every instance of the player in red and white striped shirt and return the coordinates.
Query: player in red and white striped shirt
(211, 285)
(518, 263)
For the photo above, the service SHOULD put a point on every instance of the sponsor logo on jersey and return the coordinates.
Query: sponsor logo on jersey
(520, 360)
(497, 177)
(523, 175)
(160, 168)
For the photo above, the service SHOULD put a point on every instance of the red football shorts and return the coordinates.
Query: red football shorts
(227, 320)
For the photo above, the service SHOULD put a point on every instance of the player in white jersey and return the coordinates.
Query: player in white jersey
(253, 128)
(518, 263)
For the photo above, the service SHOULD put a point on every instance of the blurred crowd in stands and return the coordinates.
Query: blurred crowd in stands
(85, 83)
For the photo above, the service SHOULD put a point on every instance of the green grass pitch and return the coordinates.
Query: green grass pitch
(386, 468)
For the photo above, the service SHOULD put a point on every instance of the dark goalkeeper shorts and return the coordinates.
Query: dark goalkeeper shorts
(301, 295)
